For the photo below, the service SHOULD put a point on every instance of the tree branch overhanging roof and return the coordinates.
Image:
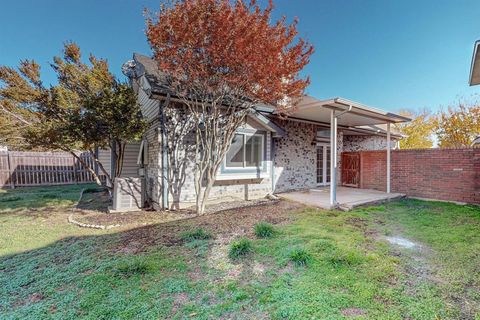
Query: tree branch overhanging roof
(309, 108)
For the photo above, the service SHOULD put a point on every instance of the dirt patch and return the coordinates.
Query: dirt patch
(360, 223)
(33, 298)
(223, 225)
(94, 201)
(353, 312)
(179, 299)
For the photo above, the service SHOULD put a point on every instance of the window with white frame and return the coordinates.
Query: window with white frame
(246, 151)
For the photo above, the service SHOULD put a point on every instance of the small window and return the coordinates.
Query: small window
(246, 151)
(323, 133)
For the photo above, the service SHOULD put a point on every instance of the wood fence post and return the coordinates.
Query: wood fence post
(75, 176)
(10, 170)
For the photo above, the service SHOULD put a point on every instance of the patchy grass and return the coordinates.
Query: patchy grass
(39, 197)
(33, 218)
(54, 270)
(196, 234)
(451, 235)
(264, 230)
(134, 266)
(300, 257)
(240, 248)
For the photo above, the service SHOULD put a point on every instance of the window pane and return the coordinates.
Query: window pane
(253, 151)
(235, 153)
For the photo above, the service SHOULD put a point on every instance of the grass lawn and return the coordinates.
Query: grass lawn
(313, 264)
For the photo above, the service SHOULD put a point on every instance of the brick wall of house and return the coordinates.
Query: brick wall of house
(354, 143)
(153, 166)
(443, 174)
(296, 156)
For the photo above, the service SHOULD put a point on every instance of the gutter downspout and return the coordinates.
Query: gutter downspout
(333, 155)
(164, 168)
(272, 159)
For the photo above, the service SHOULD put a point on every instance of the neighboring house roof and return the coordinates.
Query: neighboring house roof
(475, 67)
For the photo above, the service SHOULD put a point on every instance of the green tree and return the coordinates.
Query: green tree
(458, 126)
(88, 108)
(418, 132)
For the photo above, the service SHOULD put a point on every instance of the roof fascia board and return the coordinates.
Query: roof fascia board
(268, 124)
(327, 125)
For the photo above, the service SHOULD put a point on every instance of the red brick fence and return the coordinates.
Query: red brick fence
(443, 174)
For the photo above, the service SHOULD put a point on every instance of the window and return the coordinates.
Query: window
(323, 133)
(246, 151)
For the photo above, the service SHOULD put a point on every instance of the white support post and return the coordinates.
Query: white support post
(388, 157)
(333, 159)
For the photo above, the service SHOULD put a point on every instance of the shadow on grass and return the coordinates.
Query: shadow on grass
(75, 276)
(38, 197)
(144, 272)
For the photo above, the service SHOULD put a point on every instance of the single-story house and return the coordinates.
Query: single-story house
(269, 154)
(475, 66)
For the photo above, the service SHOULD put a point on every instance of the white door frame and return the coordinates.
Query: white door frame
(323, 145)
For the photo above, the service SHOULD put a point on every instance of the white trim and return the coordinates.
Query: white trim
(325, 181)
(333, 159)
(139, 157)
(388, 157)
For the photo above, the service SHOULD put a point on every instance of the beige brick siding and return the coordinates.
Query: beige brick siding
(360, 143)
(153, 168)
(296, 156)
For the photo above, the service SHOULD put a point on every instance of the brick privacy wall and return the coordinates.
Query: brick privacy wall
(442, 174)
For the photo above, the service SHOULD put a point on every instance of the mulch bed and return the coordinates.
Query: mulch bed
(237, 222)
(143, 229)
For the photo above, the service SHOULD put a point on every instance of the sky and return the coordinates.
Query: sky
(389, 54)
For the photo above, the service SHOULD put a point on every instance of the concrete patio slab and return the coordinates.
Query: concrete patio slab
(347, 198)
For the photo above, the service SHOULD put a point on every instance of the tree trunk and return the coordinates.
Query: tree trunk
(104, 171)
(86, 166)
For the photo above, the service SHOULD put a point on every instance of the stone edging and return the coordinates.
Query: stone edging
(86, 225)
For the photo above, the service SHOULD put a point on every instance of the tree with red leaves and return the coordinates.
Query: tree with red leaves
(223, 58)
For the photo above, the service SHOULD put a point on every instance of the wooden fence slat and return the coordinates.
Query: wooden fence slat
(19, 168)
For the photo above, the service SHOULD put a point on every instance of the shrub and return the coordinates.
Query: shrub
(134, 266)
(264, 230)
(240, 248)
(197, 234)
(300, 257)
(346, 257)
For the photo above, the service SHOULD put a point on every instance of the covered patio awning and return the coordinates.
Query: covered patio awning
(346, 114)
(312, 109)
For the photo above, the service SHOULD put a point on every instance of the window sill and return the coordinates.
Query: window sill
(242, 176)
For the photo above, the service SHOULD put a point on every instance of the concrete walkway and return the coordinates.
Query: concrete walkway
(347, 198)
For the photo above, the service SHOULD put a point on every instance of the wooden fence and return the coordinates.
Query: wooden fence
(21, 169)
